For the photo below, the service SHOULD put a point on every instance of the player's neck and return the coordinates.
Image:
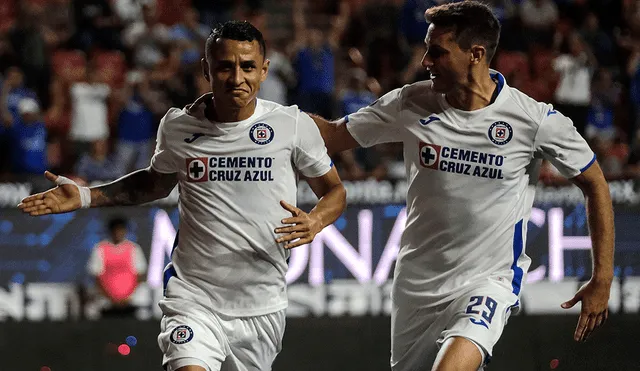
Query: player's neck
(473, 95)
(219, 114)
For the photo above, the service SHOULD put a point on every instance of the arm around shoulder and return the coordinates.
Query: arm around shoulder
(335, 134)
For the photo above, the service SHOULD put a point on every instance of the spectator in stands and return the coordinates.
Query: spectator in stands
(147, 38)
(315, 61)
(413, 28)
(89, 120)
(177, 84)
(58, 115)
(598, 40)
(8, 56)
(612, 156)
(136, 124)
(13, 91)
(28, 40)
(59, 19)
(129, 11)
(600, 119)
(97, 164)
(281, 76)
(118, 266)
(575, 66)
(385, 50)
(96, 25)
(28, 138)
(539, 18)
(505, 10)
(356, 95)
(212, 12)
(385, 38)
(412, 24)
(190, 34)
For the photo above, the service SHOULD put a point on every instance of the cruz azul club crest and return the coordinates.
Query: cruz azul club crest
(500, 133)
(261, 133)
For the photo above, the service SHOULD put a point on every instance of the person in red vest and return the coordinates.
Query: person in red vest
(119, 266)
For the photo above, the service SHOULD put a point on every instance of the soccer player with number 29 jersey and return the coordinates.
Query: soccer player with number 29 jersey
(237, 166)
(472, 151)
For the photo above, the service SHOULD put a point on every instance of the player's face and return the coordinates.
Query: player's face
(235, 70)
(448, 64)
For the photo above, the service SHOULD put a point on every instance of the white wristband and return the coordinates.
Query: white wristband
(85, 192)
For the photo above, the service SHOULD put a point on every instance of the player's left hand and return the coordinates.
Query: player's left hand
(302, 227)
(594, 296)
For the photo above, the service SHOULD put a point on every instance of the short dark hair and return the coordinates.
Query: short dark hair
(473, 23)
(117, 222)
(235, 30)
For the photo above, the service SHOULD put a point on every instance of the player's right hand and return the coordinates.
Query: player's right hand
(61, 199)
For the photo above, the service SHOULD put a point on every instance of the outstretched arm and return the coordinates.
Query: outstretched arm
(135, 188)
(595, 294)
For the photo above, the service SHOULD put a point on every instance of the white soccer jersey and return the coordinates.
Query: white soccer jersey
(470, 178)
(231, 179)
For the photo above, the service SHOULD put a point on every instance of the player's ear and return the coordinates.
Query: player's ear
(205, 68)
(478, 52)
(265, 70)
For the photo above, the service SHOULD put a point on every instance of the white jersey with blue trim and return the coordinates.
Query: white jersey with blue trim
(231, 178)
(471, 178)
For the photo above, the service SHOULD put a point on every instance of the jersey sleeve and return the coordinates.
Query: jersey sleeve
(310, 154)
(378, 122)
(558, 141)
(163, 160)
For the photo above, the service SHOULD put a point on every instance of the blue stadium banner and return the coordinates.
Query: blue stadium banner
(346, 270)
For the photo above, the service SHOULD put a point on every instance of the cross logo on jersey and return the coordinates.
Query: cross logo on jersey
(197, 169)
(429, 155)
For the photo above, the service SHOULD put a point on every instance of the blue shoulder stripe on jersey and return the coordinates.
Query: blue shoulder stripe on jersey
(516, 282)
(331, 164)
(169, 272)
(346, 118)
(498, 76)
(589, 164)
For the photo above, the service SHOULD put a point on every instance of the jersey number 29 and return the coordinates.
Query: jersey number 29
(489, 304)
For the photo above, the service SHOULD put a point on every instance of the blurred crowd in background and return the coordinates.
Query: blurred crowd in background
(84, 83)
